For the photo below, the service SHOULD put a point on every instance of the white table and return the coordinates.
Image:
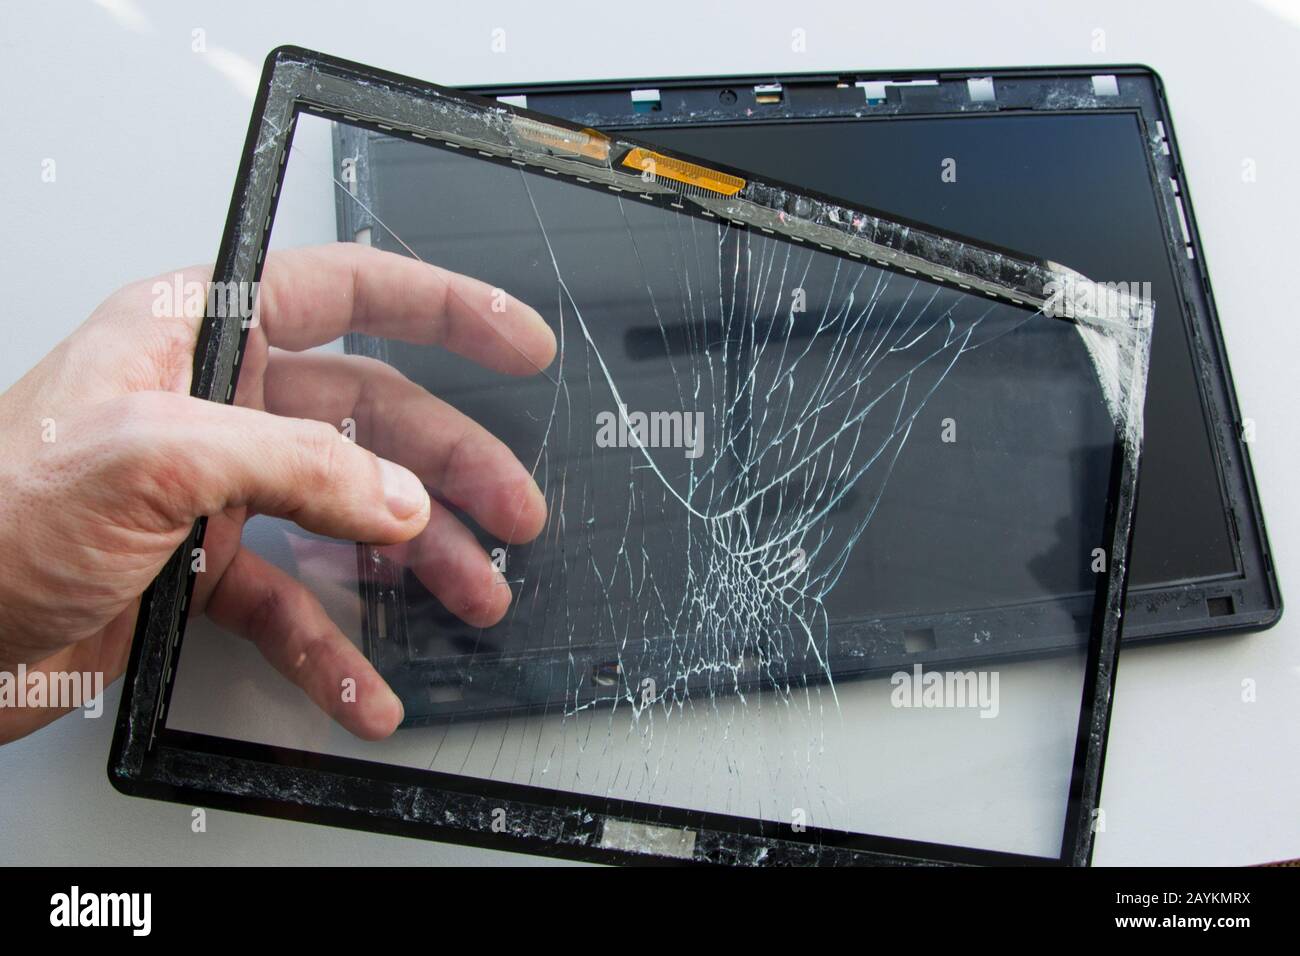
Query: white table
(146, 134)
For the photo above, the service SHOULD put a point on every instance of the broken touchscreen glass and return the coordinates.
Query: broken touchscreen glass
(715, 644)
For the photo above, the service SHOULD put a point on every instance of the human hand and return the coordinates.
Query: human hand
(107, 462)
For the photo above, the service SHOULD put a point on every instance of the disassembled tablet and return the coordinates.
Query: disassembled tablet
(744, 369)
(1080, 165)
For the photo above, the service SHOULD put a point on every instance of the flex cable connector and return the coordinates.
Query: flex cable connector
(659, 166)
(559, 141)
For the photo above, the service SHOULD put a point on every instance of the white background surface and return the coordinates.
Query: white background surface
(147, 135)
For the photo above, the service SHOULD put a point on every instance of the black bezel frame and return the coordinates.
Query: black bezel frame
(149, 760)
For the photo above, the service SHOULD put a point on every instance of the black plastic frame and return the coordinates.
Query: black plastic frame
(149, 760)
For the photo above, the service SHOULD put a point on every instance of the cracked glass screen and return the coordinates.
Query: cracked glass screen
(756, 459)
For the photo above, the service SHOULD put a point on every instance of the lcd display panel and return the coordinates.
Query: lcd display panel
(682, 666)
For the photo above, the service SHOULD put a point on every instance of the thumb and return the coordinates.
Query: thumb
(201, 457)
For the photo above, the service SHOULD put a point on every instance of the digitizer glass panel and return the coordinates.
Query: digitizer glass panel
(723, 623)
(718, 438)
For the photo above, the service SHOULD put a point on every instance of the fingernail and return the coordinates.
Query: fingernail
(403, 492)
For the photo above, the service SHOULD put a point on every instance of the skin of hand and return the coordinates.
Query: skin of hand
(107, 461)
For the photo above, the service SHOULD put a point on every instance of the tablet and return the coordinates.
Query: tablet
(1081, 165)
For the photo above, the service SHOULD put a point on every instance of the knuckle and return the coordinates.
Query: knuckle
(90, 356)
(264, 612)
(321, 453)
(456, 465)
(477, 461)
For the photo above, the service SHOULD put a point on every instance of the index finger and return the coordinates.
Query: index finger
(314, 295)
